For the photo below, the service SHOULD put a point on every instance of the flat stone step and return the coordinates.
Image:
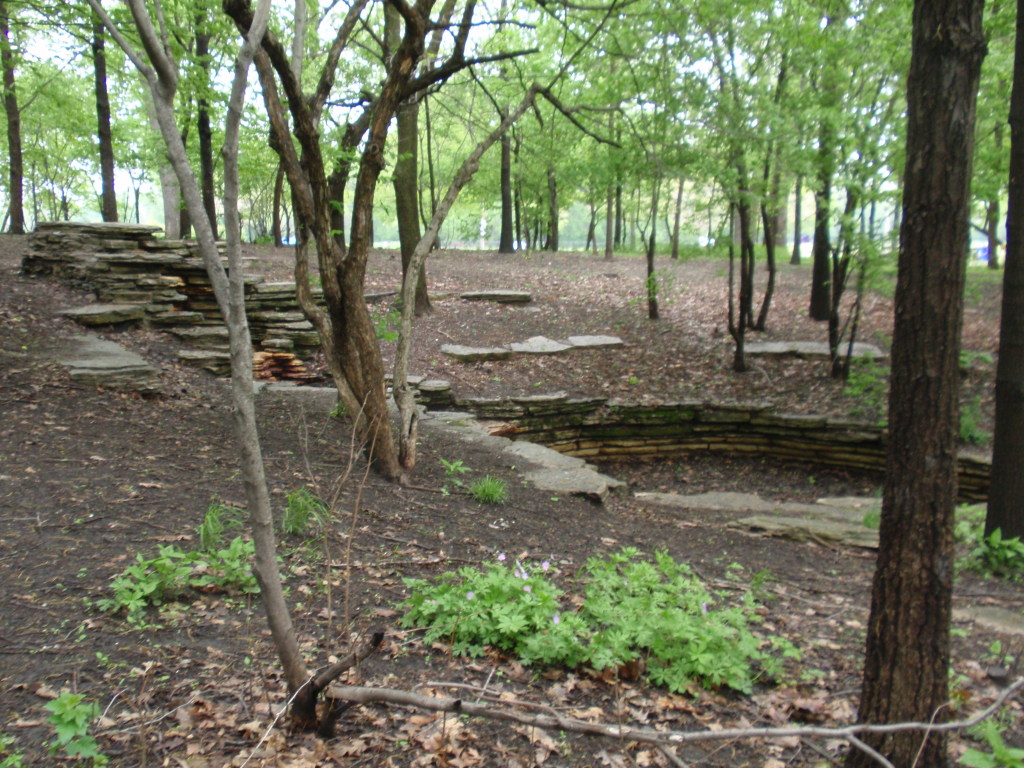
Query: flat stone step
(466, 354)
(98, 362)
(539, 345)
(501, 297)
(808, 350)
(106, 314)
(594, 342)
(836, 521)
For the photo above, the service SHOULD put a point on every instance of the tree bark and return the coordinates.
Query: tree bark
(1006, 491)
(906, 670)
(108, 198)
(552, 241)
(276, 210)
(677, 214)
(505, 238)
(203, 127)
(15, 163)
(822, 248)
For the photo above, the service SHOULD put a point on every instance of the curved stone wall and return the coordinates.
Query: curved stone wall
(596, 428)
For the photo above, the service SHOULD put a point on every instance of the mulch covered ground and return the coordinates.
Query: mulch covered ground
(89, 479)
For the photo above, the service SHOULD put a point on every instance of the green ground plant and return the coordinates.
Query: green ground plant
(867, 385)
(9, 758)
(991, 555)
(174, 572)
(970, 423)
(303, 511)
(630, 608)
(71, 715)
(218, 519)
(489, 490)
(1000, 755)
(453, 471)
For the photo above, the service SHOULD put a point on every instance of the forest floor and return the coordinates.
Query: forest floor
(89, 479)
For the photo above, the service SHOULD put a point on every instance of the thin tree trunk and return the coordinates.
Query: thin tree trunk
(822, 248)
(675, 221)
(1006, 491)
(15, 164)
(276, 213)
(552, 244)
(906, 667)
(618, 215)
(203, 127)
(108, 198)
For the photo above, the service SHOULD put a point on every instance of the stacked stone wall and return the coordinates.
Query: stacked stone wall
(596, 428)
(128, 264)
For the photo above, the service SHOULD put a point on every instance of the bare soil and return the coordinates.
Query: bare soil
(91, 478)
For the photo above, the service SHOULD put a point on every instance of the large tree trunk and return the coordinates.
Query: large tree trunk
(1006, 491)
(505, 239)
(15, 164)
(906, 668)
(108, 198)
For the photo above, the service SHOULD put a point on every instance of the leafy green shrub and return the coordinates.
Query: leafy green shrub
(174, 572)
(303, 509)
(71, 716)
(489, 490)
(631, 608)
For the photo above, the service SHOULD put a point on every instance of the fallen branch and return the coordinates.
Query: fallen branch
(552, 720)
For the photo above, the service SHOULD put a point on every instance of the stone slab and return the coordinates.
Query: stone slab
(810, 350)
(803, 529)
(501, 297)
(594, 342)
(574, 482)
(465, 354)
(98, 362)
(539, 345)
(992, 617)
(106, 314)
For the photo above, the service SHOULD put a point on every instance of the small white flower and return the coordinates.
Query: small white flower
(545, 565)
(556, 619)
(501, 557)
(527, 588)
(470, 595)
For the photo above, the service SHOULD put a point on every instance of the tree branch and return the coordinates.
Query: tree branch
(552, 720)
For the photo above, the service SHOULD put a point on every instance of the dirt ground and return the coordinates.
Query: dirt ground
(91, 478)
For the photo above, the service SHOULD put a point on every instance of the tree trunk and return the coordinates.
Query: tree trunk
(552, 243)
(1006, 491)
(276, 213)
(108, 198)
(406, 203)
(992, 231)
(505, 240)
(906, 669)
(591, 243)
(203, 128)
(822, 248)
(16, 168)
(618, 214)
(675, 220)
